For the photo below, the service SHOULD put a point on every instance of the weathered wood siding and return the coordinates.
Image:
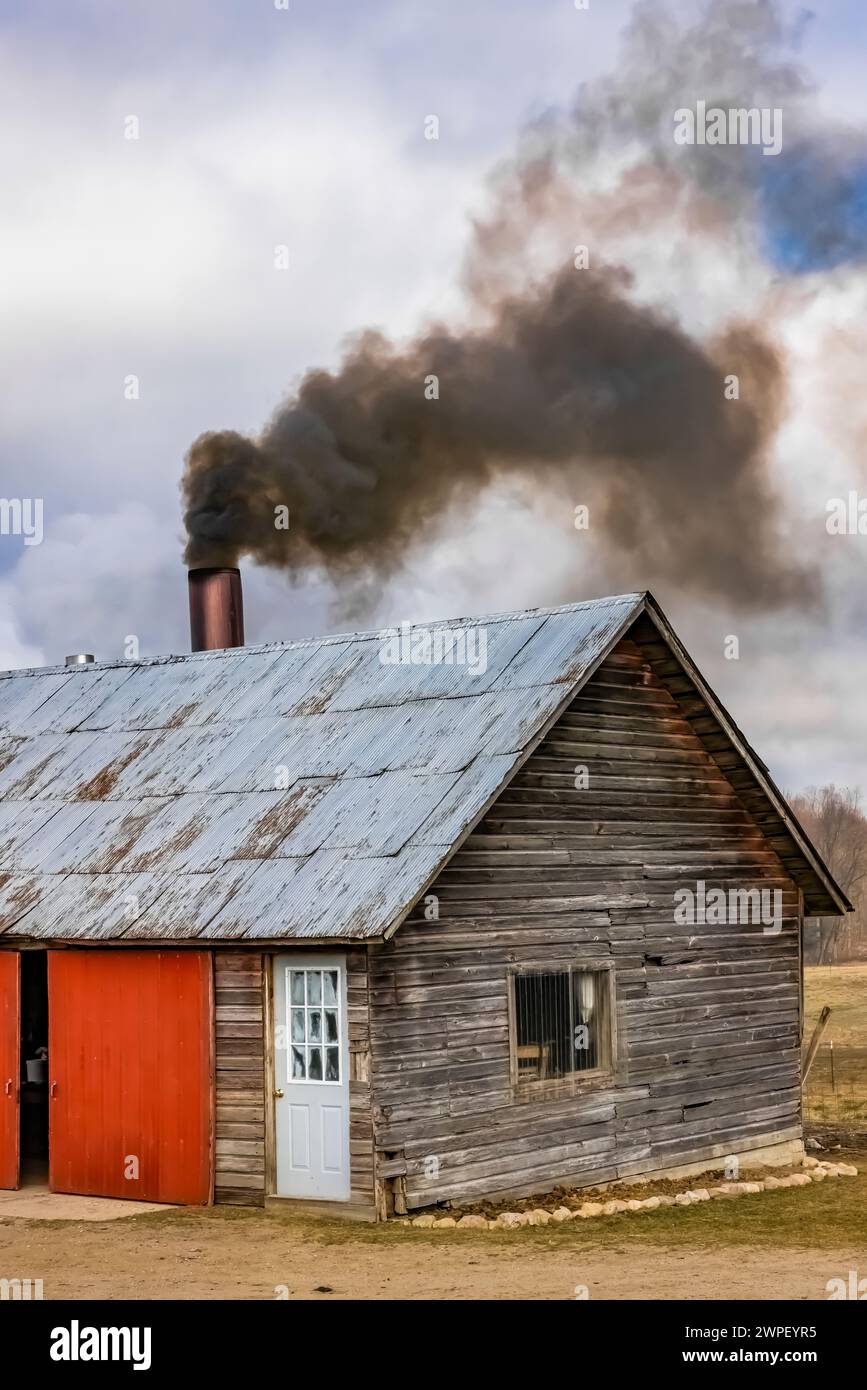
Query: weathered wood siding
(360, 1114)
(242, 1139)
(240, 1070)
(707, 1016)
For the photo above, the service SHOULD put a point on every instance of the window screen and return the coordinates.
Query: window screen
(562, 1022)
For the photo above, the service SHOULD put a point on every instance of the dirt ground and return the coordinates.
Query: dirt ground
(774, 1245)
(129, 1260)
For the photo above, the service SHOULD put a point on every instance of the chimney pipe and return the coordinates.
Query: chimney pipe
(216, 609)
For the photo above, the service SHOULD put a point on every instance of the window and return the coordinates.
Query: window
(563, 1023)
(314, 1013)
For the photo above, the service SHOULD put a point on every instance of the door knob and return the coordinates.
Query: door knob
(52, 1090)
(278, 1095)
(9, 1087)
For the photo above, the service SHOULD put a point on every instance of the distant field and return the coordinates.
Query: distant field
(836, 1093)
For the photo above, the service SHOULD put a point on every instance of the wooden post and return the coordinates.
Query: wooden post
(821, 1025)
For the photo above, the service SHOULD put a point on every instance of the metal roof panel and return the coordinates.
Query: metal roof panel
(308, 789)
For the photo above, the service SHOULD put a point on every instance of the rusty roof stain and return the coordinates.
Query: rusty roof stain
(307, 790)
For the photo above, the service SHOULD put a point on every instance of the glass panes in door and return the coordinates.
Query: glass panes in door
(314, 1025)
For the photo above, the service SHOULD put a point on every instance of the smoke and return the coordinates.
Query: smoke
(565, 381)
(804, 210)
(570, 382)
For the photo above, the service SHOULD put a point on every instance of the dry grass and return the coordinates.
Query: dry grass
(828, 1214)
(836, 1092)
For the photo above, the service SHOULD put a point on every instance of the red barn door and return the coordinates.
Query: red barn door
(10, 1065)
(130, 1074)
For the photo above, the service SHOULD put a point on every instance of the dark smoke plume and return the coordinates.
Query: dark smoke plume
(570, 383)
(566, 384)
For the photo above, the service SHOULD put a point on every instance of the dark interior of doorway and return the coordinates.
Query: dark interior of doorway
(34, 1067)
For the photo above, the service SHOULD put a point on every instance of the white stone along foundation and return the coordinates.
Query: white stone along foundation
(814, 1170)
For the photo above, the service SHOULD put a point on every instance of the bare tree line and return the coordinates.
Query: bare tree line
(835, 822)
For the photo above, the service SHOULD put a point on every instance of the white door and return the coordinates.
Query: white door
(311, 1067)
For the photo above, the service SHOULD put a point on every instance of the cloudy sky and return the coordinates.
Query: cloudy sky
(154, 258)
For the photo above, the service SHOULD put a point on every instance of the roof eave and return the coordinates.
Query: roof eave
(761, 773)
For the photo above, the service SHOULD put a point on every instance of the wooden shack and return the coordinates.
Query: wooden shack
(383, 921)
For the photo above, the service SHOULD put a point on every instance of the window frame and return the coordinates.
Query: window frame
(289, 1006)
(577, 1081)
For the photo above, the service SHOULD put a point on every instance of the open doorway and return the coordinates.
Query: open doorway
(34, 1068)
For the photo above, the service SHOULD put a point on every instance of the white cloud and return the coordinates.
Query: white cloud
(155, 257)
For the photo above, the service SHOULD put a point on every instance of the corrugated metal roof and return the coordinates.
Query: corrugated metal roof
(309, 789)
